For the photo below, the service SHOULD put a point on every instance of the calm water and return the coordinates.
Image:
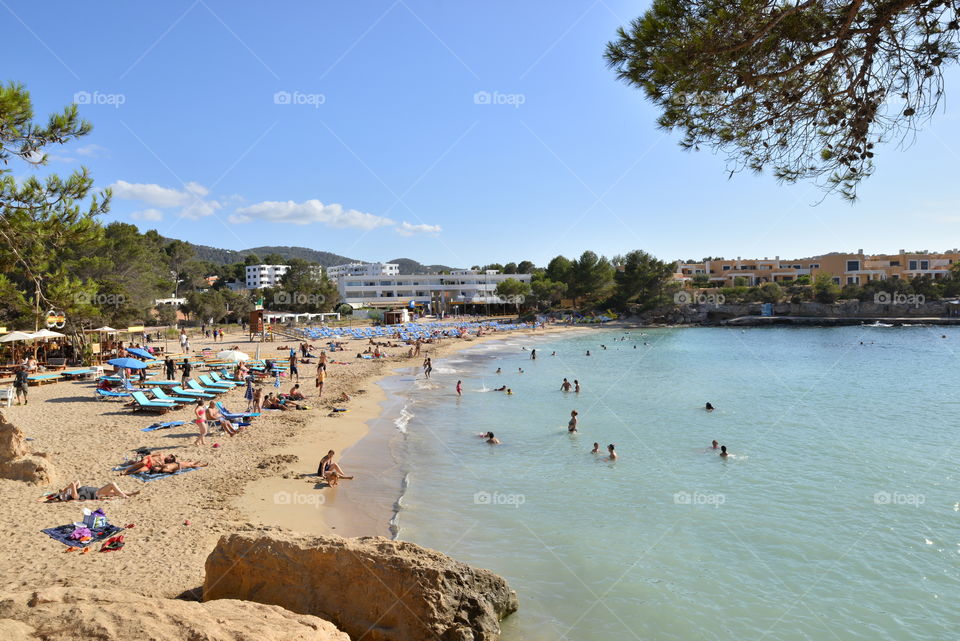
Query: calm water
(836, 518)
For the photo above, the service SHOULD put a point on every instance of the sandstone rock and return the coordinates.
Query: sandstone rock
(371, 587)
(72, 614)
(16, 461)
(12, 441)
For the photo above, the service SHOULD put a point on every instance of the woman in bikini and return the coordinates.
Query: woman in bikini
(171, 465)
(330, 471)
(143, 465)
(201, 422)
(77, 492)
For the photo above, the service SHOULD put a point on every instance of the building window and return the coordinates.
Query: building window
(924, 264)
(894, 263)
(726, 267)
(852, 280)
(912, 265)
(814, 265)
(853, 265)
(836, 280)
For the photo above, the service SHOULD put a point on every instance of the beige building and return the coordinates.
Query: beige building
(845, 269)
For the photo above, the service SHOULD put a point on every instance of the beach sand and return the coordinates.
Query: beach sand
(164, 555)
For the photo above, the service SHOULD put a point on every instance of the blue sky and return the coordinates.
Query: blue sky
(448, 132)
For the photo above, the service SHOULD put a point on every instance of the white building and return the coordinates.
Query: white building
(467, 287)
(265, 275)
(337, 272)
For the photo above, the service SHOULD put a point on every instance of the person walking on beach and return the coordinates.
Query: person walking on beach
(572, 425)
(459, 388)
(169, 368)
(565, 386)
(185, 369)
(323, 362)
(321, 379)
(20, 384)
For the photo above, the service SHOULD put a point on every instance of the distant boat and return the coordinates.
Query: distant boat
(877, 324)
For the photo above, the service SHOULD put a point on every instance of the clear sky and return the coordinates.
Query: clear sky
(445, 131)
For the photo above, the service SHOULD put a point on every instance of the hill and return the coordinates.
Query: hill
(410, 266)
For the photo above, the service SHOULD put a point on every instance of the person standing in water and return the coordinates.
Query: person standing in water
(459, 388)
(596, 448)
(572, 425)
(565, 386)
(613, 453)
(533, 355)
(427, 367)
(576, 386)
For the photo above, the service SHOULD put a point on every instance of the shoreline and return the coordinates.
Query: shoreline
(295, 500)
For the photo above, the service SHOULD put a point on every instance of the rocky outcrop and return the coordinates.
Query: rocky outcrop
(16, 461)
(372, 588)
(75, 614)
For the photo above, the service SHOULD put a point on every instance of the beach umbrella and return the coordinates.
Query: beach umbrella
(127, 363)
(46, 333)
(232, 355)
(136, 351)
(17, 336)
(104, 330)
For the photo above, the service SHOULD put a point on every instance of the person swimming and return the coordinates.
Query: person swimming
(613, 453)
(723, 451)
(715, 445)
(501, 389)
(509, 391)
(498, 371)
(708, 407)
(596, 448)
(492, 440)
(588, 352)
(572, 425)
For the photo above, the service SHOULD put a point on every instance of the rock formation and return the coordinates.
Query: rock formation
(75, 614)
(370, 587)
(16, 462)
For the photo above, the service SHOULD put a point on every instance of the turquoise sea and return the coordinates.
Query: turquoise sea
(836, 517)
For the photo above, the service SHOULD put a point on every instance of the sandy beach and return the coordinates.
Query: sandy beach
(262, 478)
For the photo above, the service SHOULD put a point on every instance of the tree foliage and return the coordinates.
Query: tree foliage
(805, 88)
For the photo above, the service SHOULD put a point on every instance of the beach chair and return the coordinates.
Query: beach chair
(233, 416)
(102, 394)
(197, 387)
(141, 402)
(6, 395)
(161, 395)
(179, 391)
(40, 379)
(209, 382)
(217, 378)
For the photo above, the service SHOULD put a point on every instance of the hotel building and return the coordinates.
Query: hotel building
(845, 269)
(363, 269)
(458, 288)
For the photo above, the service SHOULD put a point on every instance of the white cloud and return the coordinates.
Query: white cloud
(91, 151)
(151, 194)
(307, 212)
(406, 229)
(147, 215)
(191, 199)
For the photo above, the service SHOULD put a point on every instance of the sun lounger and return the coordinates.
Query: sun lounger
(209, 382)
(102, 394)
(141, 402)
(232, 416)
(76, 373)
(179, 391)
(216, 378)
(160, 395)
(195, 386)
(162, 383)
(163, 426)
(40, 379)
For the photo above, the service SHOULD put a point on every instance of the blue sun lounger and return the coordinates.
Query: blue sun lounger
(206, 380)
(232, 416)
(195, 386)
(141, 402)
(102, 394)
(163, 396)
(179, 391)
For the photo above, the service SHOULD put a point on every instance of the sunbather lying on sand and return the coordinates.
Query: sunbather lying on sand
(171, 465)
(144, 464)
(77, 492)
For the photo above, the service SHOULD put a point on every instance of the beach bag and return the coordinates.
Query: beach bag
(94, 520)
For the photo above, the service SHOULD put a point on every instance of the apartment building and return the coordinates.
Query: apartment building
(363, 269)
(845, 269)
(259, 276)
(464, 287)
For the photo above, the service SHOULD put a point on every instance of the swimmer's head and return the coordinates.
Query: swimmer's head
(715, 444)
(723, 449)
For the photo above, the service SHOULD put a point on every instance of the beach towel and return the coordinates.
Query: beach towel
(146, 477)
(162, 426)
(62, 533)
